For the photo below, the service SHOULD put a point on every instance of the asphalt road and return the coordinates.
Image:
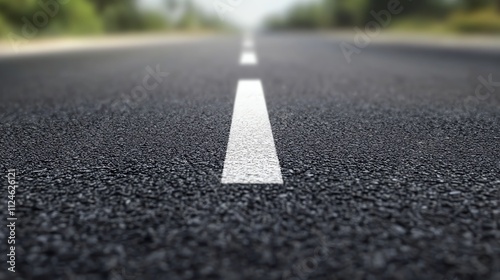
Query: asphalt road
(390, 163)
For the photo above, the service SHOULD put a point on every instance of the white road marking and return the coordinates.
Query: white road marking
(251, 155)
(248, 43)
(248, 58)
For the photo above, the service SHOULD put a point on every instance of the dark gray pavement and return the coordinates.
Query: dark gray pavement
(390, 163)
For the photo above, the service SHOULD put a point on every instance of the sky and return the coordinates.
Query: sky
(250, 13)
(246, 13)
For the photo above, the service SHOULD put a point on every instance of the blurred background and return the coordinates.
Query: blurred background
(93, 17)
(55, 18)
(439, 16)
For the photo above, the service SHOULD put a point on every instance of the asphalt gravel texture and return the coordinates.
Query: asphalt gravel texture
(390, 163)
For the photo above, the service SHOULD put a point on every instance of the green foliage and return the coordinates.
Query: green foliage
(190, 19)
(121, 17)
(79, 17)
(479, 21)
(13, 11)
(153, 21)
(474, 5)
(193, 18)
(48, 17)
(351, 12)
(276, 23)
(71, 16)
(4, 27)
(473, 15)
(307, 17)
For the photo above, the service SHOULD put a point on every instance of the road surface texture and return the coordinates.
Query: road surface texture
(390, 163)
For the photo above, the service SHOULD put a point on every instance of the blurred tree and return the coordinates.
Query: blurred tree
(307, 17)
(77, 17)
(190, 18)
(4, 27)
(120, 17)
(153, 21)
(96, 16)
(101, 5)
(194, 18)
(275, 23)
(352, 12)
(471, 5)
(349, 13)
(67, 18)
(13, 11)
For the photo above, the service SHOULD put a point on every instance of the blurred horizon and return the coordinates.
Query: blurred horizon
(28, 19)
(435, 16)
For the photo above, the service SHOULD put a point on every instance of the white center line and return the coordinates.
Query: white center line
(248, 43)
(248, 58)
(251, 155)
